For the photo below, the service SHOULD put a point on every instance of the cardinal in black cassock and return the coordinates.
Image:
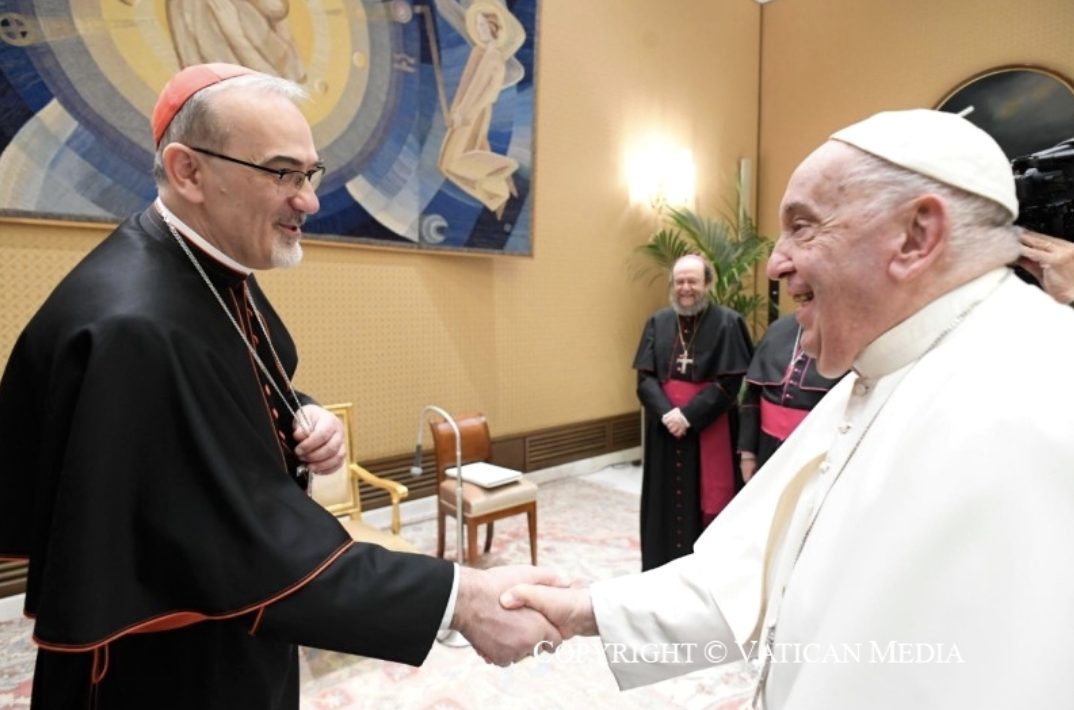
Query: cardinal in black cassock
(692, 363)
(151, 481)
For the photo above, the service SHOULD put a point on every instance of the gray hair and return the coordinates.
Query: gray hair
(982, 234)
(196, 124)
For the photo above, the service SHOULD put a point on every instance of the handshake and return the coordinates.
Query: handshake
(508, 612)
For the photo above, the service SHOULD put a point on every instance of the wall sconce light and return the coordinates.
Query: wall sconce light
(661, 176)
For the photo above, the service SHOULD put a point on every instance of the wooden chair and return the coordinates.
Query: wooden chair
(480, 505)
(338, 492)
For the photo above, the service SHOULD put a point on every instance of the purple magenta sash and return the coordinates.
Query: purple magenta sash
(717, 471)
(780, 421)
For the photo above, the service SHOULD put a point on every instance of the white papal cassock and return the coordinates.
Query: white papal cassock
(938, 571)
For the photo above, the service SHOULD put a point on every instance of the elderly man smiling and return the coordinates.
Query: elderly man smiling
(907, 546)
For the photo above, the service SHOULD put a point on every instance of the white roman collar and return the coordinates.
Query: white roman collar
(199, 241)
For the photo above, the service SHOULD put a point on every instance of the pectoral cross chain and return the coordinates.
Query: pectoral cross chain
(685, 360)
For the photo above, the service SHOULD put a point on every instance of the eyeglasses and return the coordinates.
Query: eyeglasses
(293, 179)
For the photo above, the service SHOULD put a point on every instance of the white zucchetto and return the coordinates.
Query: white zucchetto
(943, 146)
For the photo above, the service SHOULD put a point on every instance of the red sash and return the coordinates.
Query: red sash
(714, 444)
(780, 421)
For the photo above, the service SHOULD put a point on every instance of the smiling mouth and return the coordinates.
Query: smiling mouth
(801, 298)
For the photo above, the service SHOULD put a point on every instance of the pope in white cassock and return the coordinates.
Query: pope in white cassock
(908, 547)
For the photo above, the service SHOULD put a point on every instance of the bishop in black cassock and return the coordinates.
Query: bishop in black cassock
(695, 362)
(782, 386)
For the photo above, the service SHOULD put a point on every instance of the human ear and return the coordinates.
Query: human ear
(925, 230)
(184, 172)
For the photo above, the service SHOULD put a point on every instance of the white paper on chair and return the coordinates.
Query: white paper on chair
(486, 475)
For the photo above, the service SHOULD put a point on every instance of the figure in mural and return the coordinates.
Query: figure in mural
(252, 33)
(466, 158)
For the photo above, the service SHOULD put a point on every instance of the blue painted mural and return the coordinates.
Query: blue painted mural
(421, 109)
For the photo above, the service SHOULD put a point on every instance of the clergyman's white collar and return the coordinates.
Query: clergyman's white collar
(199, 241)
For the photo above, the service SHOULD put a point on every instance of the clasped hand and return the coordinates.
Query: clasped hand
(509, 613)
(676, 423)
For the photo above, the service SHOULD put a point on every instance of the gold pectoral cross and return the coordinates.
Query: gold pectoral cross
(684, 361)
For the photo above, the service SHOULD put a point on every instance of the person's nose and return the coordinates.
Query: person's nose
(779, 263)
(305, 200)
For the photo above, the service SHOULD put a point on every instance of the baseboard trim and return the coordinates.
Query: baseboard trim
(529, 452)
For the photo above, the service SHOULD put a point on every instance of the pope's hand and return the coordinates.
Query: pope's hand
(498, 635)
(570, 609)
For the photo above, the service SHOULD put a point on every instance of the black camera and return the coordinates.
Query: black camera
(1044, 183)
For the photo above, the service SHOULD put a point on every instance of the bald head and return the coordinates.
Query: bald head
(691, 279)
(694, 262)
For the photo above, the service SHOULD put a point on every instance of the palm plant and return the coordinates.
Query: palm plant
(732, 245)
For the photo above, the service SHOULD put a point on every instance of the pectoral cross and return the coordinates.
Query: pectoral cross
(684, 361)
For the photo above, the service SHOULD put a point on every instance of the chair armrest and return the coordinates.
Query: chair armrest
(396, 491)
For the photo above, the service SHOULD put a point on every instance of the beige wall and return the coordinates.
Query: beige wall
(548, 340)
(828, 63)
(533, 342)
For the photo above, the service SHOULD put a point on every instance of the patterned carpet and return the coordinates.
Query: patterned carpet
(586, 530)
(17, 655)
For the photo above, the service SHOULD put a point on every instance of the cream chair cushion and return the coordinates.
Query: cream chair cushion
(478, 501)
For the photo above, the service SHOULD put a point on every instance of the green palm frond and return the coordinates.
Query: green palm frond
(662, 250)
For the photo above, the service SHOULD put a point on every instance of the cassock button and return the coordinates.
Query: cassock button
(268, 392)
(283, 437)
(275, 413)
